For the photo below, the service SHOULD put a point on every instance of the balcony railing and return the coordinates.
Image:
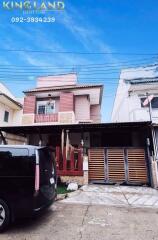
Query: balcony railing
(39, 118)
(143, 114)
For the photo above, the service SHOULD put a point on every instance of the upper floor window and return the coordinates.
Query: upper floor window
(154, 102)
(44, 107)
(41, 109)
(6, 116)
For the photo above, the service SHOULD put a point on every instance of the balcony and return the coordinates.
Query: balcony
(40, 118)
(143, 114)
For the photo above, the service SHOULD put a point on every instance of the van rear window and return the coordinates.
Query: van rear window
(16, 162)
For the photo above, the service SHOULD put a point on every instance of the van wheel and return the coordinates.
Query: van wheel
(4, 215)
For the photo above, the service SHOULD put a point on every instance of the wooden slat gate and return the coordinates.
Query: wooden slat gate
(96, 164)
(118, 165)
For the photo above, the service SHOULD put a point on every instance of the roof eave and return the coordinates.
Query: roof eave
(12, 100)
(36, 90)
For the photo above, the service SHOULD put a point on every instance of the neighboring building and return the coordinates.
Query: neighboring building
(133, 87)
(10, 114)
(59, 99)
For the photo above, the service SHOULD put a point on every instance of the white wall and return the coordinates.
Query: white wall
(136, 112)
(15, 116)
(4, 108)
(121, 105)
(127, 107)
(5, 90)
(130, 110)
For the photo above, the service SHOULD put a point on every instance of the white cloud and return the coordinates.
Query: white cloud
(83, 31)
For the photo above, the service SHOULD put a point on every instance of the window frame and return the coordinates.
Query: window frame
(45, 103)
(141, 102)
(6, 112)
(154, 108)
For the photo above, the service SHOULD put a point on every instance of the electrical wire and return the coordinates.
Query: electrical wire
(79, 53)
(119, 64)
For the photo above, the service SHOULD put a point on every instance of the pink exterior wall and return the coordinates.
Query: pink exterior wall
(57, 103)
(95, 113)
(66, 102)
(29, 104)
(59, 80)
(82, 108)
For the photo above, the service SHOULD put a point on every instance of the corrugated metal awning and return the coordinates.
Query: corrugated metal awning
(47, 129)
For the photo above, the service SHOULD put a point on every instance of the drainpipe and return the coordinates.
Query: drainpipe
(150, 174)
(155, 144)
(155, 158)
(150, 108)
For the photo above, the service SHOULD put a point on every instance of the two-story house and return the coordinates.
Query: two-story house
(59, 99)
(10, 114)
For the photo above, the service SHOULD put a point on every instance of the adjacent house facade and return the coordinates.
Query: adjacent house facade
(10, 113)
(135, 85)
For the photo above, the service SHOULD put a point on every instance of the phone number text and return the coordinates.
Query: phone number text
(33, 19)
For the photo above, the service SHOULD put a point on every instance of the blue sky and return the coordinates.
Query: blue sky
(111, 26)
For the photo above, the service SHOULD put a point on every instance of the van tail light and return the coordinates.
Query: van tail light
(37, 174)
(37, 178)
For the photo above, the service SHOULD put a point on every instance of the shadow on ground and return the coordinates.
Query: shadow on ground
(35, 222)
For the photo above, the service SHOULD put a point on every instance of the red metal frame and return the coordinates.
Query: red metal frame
(62, 163)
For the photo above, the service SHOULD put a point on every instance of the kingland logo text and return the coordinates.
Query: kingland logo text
(33, 5)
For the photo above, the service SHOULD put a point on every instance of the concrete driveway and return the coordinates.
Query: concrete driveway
(87, 222)
(115, 196)
(95, 212)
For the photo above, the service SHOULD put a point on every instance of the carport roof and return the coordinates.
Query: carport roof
(36, 129)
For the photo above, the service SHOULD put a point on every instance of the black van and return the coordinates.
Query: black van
(27, 181)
